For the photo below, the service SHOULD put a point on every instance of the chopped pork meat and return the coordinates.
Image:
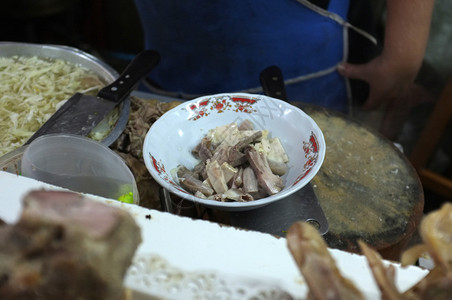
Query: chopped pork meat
(239, 163)
(270, 182)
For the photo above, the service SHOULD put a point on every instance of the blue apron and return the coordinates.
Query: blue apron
(210, 47)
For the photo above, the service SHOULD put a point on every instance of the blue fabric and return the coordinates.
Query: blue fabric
(218, 46)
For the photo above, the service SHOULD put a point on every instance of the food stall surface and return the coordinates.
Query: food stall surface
(366, 188)
(184, 258)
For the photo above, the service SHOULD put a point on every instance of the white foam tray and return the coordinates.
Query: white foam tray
(182, 258)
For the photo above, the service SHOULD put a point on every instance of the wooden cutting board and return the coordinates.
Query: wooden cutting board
(366, 187)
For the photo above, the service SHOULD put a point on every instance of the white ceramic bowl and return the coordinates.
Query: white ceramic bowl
(172, 137)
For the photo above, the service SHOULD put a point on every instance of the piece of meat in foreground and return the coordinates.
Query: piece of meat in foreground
(65, 246)
(317, 266)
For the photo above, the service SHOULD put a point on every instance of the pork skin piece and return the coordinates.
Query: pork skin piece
(199, 170)
(277, 167)
(228, 171)
(183, 171)
(235, 157)
(219, 134)
(237, 180)
(248, 139)
(216, 177)
(266, 179)
(65, 246)
(204, 149)
(189, 182)
(275, 153)
(261, 193)
(238, 195)
(250, 184)
(230, 150)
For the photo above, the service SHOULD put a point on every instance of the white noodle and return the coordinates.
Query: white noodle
(31, 90)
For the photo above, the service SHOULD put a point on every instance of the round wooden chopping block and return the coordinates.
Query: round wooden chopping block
(366, 187)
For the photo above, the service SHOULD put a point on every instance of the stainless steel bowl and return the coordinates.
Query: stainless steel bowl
(78, 57)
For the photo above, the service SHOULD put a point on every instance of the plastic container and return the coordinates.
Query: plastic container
(81, 165)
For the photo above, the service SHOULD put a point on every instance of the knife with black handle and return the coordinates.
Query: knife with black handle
(81, 113)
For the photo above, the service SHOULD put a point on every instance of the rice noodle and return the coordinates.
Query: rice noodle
(31, 90)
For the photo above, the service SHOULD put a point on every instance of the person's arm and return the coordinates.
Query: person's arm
(392, 73)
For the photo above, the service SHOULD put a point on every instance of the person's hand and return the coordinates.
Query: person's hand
(391, 74)
(387, 81)
(390, 86)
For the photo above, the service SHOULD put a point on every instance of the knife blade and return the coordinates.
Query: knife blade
(81, 113)
(304, 203)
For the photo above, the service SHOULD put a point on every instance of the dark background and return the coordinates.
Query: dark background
(110, 30)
